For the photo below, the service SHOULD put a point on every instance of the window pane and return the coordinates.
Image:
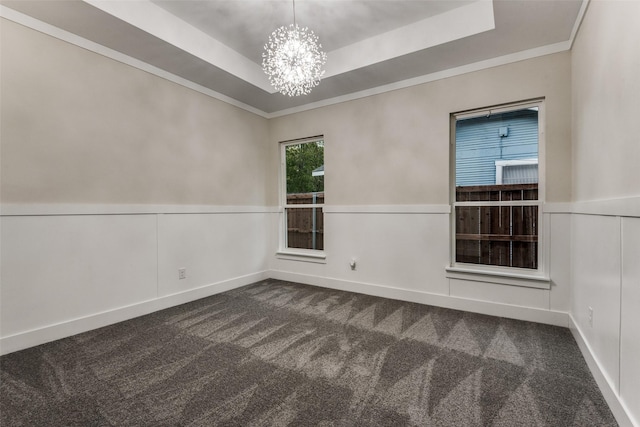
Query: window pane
(498, 150)
(497, 235)
(496, 160)
(304, 175)
(305, 167)
(305, 228)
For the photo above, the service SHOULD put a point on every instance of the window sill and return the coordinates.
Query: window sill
(318, 257)
(529, 280)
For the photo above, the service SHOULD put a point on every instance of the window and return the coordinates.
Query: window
(517, 171)
(497, 199)
(302, 195)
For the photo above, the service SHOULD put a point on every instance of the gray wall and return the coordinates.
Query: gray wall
(82, 128)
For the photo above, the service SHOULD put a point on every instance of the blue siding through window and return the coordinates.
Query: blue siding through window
(479, 144)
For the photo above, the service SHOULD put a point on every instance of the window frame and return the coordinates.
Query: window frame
(536, 278)
(285, 252)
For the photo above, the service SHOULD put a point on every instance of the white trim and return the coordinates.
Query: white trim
(451, 72)
(387, 209)
(557, 208)
(578, 22)
(17, 209)
(550, 317)
(532, 104)
(502, 276)
(500, 165)
(605, 384)
(629, 206)
(68, 328)
(516, 162)
(50, 30)
(304, 255)
(625, 206)
(621, 286)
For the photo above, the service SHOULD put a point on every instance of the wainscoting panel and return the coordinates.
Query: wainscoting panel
(59, 268)
(211, 247)
(630, 317)
(398, 250)
(596, 284)
(66, 273)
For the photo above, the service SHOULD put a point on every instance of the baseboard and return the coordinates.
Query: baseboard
(68, 328)
(537, 315)
(618, 408)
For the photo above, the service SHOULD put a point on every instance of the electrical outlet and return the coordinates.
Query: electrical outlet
(590, 316)
(182, 273)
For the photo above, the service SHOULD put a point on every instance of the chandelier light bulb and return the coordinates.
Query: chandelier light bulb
(293, 60)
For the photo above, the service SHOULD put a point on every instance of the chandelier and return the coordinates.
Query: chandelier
(293, 59)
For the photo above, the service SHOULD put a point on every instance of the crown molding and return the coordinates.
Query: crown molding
(66, 36)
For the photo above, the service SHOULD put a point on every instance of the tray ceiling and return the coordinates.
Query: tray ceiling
(371, 45)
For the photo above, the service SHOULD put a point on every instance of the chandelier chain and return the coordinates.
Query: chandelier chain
(294, 12)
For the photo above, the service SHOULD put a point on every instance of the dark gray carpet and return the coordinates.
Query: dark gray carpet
(277, 353)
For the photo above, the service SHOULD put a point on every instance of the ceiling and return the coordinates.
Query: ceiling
(371, 45)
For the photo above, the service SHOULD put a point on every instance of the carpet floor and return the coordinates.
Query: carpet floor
(277, 353)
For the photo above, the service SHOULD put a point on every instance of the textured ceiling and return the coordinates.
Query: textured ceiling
(217, 44)
(337, 23)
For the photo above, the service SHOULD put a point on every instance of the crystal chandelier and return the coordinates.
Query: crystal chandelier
(293, 59)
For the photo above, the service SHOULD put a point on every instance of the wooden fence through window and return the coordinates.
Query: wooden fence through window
(497, 235)
(490, 235)
(305, 226)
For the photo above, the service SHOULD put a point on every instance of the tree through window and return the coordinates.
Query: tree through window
(303, 172)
